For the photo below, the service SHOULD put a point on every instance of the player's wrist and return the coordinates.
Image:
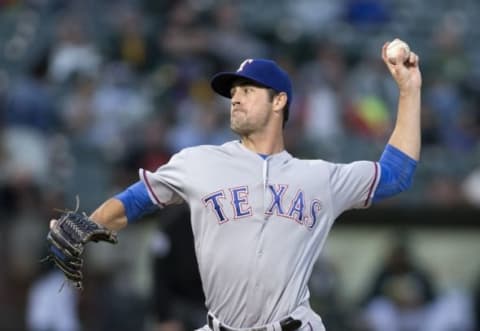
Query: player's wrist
(409, 91)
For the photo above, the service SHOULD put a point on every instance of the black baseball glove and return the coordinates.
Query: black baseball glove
(67, 239)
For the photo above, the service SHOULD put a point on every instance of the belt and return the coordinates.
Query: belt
(287, 324)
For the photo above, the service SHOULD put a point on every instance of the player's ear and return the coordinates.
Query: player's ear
(279, 101)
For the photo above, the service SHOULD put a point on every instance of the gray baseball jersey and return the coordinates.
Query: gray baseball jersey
(259, 224)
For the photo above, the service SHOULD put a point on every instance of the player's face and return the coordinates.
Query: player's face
(251, 108)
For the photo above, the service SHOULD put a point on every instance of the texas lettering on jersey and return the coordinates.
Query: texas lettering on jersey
(298, 208)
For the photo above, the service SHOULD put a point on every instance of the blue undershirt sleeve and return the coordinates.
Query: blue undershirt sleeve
(136, 201)
(397, 170)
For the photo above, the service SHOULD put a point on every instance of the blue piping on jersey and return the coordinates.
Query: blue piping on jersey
(397, 170)
(136, 201)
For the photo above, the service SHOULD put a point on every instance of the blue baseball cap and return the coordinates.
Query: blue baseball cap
(263, 72)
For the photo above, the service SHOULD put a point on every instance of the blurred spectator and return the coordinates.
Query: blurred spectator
(430, 132)
(178, 299)
(312, 16)
(50, 309)
(323, 79)
(227, 33)
(367, 13)
(26, 157)
(78, 107)
(444, 99)
(24, 208)
(72, 51)
(131, 41)
(453, 310)
(30, 102)
(148, 151)
(118, 105)
(108, 302)
(444, 190)
(183, 35)
(449, 60)
(447, 71)
(401, 293)
(325, 294)
(471, 187)
(152, 151)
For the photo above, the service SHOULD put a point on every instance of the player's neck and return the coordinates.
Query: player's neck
(264, 145)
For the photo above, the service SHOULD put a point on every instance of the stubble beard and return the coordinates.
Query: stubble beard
(242, 127)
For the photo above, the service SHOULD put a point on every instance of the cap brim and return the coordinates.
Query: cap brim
(222, 82)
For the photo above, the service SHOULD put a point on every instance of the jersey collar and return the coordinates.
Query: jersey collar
(283, 156)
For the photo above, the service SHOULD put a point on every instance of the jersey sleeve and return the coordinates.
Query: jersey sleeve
(166, 185)
(353, 185)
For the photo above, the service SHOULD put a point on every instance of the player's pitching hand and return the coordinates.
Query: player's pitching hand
(406, 73)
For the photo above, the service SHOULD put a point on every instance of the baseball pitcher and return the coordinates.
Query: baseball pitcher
(260, 216)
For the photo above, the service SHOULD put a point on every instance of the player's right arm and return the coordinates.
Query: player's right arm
(406, 135)
(400, 157)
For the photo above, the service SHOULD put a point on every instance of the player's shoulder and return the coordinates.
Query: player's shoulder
(323, 166)
(314, 163)
(330, 164)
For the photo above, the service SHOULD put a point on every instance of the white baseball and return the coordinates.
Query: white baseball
(398, 51)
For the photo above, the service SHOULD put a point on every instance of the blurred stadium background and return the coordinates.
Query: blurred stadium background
(92, 90)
